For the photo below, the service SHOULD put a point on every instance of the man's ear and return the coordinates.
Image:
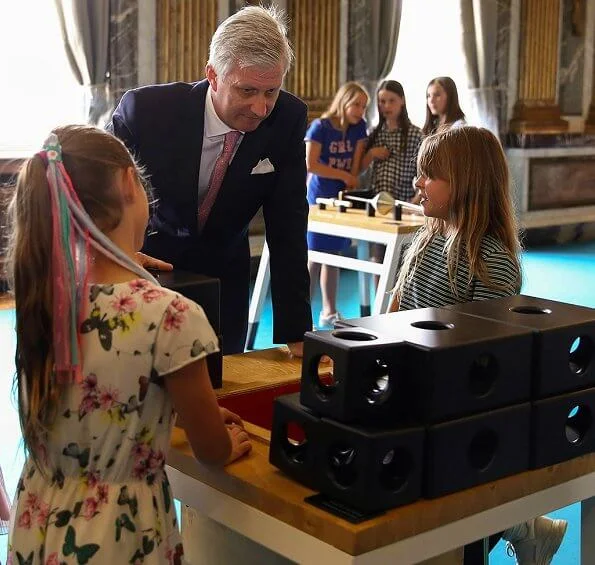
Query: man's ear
(211, 76)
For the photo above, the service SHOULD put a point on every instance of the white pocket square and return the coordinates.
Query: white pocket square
(263, 166)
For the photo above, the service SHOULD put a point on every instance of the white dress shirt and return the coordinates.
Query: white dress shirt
(212, 145)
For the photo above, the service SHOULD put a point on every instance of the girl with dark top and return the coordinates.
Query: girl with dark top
(392, 147)
(442, 105)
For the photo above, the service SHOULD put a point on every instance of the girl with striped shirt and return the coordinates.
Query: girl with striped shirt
(468, 250)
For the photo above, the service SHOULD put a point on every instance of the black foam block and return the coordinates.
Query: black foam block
(368, 469)
(450, 364)
(364, 375)
(564, 338)
(470, 451)
(215, 365)
(203, 290)
(294, 447)
(563, 427)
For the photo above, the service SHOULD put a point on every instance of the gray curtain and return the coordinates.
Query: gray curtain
(373, 34)
(480, 36)
(85, 30)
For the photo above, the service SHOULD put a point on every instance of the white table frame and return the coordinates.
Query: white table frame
(387, 270)
(301, 547)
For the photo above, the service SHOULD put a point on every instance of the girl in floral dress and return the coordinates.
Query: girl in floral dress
(4, 506)
(104, 356)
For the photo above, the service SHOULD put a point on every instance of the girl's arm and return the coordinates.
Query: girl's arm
(378, 152)
(360, 147)
(4, 502)
(367, 159)
(315, 167)
(193, 398)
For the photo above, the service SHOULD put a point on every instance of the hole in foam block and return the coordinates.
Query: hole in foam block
(482, 449)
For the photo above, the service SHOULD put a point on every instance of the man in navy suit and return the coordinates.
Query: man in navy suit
(179, 133)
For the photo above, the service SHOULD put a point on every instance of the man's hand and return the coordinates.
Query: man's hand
(296, 349)
(148, 262)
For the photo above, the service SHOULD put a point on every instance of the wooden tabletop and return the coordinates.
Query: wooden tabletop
(254, 481)
(258, 369)
(359, 219)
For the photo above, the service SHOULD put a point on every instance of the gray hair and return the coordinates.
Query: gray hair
(253, 36)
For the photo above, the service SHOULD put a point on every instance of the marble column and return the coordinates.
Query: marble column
(536, 109)
(123, 47)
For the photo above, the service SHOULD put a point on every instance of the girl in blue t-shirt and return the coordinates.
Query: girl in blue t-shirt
(334, 148)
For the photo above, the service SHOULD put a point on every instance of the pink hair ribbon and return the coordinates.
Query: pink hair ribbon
(70, 257)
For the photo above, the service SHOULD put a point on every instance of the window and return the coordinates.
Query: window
(429, 46)
(38, 90)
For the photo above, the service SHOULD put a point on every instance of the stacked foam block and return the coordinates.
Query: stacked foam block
(428, 402)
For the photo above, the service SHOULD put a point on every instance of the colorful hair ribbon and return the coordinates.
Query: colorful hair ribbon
(73, 233)
(70, 256)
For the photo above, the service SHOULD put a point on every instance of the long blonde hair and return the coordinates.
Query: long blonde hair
(472, 161)
(92, 157)
(344, 96)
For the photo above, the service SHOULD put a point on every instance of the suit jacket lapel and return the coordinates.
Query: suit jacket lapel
(189, 150)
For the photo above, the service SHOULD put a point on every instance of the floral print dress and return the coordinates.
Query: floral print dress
(103, 496)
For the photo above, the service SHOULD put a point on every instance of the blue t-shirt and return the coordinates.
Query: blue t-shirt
(337, 150)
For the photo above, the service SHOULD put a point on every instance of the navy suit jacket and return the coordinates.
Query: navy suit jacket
(162, 125)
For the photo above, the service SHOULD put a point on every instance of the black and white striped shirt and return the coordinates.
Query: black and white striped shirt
(430, 285)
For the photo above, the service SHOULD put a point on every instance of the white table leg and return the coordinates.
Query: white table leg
(390, 268)
(588, 531)
(261, 287)
(207, 542)
(363, 253)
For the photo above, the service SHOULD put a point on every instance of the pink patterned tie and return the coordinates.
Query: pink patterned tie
(231, 138)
